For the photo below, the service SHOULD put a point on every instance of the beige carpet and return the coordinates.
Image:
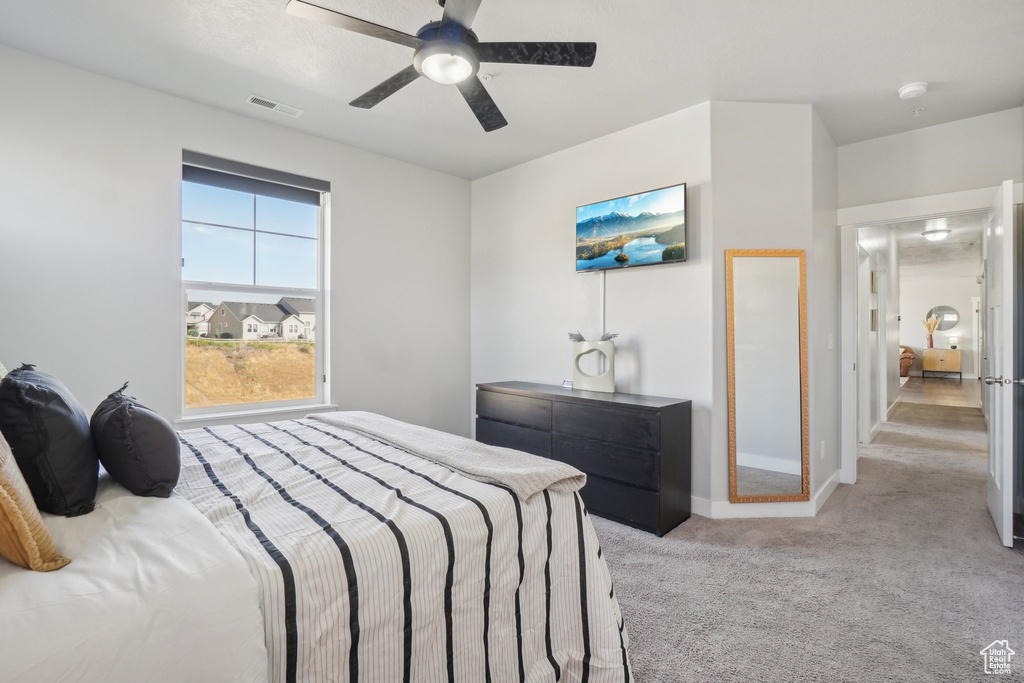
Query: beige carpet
(899, 578)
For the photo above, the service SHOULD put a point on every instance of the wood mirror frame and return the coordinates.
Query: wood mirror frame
(805, 492)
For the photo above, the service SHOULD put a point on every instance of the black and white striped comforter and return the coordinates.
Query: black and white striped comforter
(377, 565)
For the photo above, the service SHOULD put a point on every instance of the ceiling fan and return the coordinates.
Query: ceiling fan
(449, 53)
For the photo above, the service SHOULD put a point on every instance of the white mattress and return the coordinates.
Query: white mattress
(153, 593)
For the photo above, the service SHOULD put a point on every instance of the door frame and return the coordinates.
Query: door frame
(976, 335)
(867, 426)
(850, 219)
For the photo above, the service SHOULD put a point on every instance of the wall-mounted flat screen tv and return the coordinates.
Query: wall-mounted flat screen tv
(638, 230)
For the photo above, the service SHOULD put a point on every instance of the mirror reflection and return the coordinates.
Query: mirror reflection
(767, 385)
(947, 315)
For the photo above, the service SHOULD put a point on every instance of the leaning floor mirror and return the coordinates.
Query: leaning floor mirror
(769, 448)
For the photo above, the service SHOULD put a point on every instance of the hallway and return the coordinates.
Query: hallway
(941, 391)
(900, 577)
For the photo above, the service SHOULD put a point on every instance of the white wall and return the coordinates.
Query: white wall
(776, 164)
(526, 295)
(962, 155)
(823, 308)
(920, 294)
(89, 224)
(767, 195)
(884, 255)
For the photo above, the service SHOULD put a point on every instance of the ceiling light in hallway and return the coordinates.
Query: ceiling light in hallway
(936, 235)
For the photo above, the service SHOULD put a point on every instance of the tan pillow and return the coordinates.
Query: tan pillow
(24, 539)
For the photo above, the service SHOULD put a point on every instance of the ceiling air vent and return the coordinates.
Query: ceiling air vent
(280, 108)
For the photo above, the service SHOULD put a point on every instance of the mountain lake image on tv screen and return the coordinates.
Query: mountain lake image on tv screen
(636, 230)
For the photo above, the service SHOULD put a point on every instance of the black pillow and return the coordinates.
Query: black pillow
(136, 446)
(49, 434)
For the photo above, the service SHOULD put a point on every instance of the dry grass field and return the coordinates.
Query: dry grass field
(223, 373)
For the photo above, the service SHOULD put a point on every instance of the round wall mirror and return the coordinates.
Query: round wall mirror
(947, 315)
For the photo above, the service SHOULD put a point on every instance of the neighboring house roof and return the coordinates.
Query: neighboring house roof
(297, 306)
(267, 313)
(196, 304)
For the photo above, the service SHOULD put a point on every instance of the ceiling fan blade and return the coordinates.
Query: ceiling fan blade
(375, 96)
(461, 12)
(551, 54)
(479, 100)
(306, 10)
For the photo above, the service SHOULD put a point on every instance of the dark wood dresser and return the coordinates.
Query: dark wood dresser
(635, 449)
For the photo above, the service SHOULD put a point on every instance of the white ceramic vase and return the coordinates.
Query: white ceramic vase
(587, 382)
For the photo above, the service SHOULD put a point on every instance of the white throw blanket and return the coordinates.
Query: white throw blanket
(525, 474)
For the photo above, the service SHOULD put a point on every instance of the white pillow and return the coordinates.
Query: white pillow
(3, 371)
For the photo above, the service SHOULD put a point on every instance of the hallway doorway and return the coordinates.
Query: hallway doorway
(918, 281)
(989, 344)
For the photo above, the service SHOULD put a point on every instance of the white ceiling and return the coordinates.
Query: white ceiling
(654, 57)
(959, 255)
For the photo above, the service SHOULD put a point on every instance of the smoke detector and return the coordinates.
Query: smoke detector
(912, 90)
(279, 107)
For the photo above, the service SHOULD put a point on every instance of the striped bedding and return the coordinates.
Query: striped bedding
(378, 565)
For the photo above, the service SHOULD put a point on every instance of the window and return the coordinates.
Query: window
(251, 243)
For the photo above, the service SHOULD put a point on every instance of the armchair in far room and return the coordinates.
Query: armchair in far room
(906, 360)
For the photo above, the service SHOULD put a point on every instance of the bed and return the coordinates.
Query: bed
(361, 555)
(153, 594)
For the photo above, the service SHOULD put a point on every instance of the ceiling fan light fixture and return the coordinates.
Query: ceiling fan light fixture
(448, 52)
(446, 63)
(935, 235)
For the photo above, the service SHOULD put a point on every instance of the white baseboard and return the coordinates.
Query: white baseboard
(700, 506)
(888, 413)
(723, 509)
(825, 492)
(874, 431)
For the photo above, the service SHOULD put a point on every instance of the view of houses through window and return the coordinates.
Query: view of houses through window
(251, 287)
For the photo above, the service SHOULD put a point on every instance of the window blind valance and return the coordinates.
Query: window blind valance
(234, 175)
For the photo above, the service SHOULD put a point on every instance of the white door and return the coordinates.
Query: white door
(998, 250)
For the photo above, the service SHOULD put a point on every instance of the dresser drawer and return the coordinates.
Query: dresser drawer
(620, 501)
(635, 428)
(521, 410)
(513, 436)
(629, 465)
